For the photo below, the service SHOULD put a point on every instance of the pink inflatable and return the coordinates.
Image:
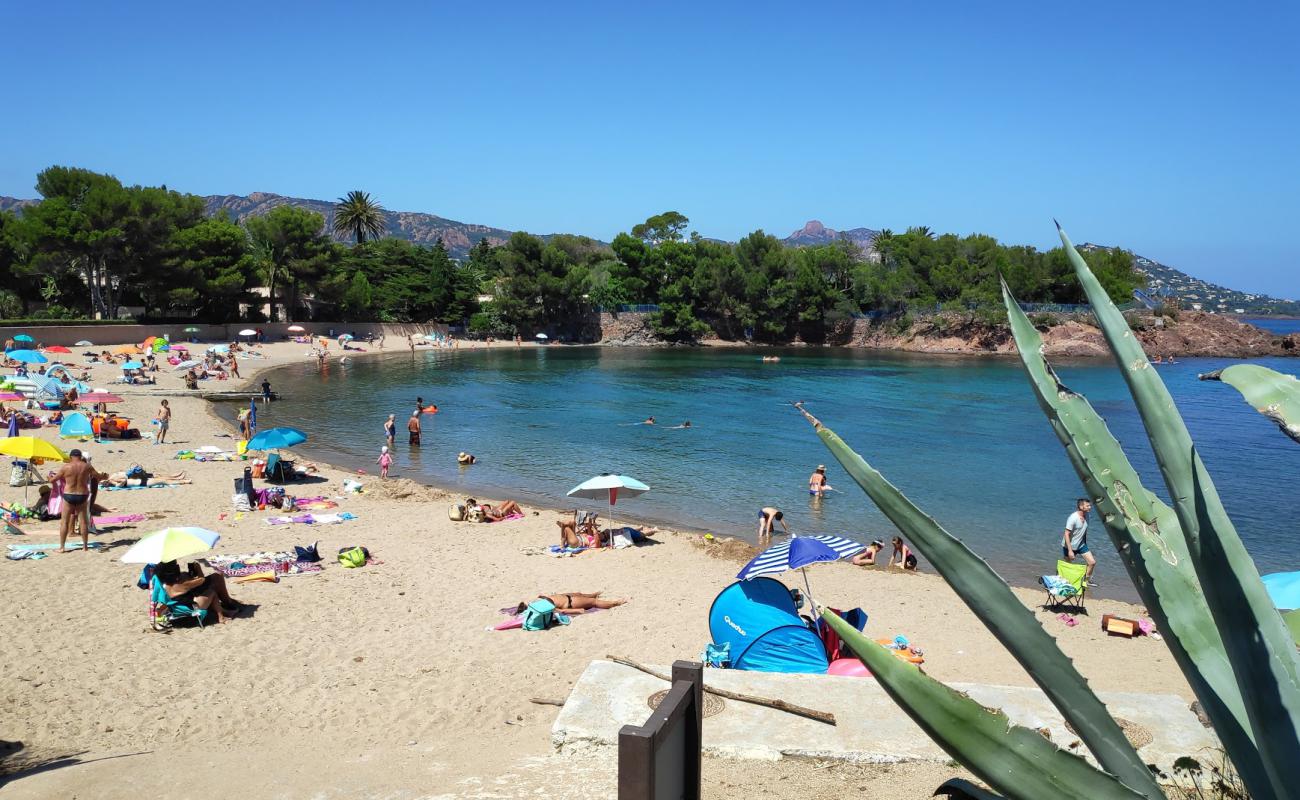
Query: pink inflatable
(848, 668)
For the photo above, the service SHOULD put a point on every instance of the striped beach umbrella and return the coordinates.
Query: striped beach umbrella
(799, 552)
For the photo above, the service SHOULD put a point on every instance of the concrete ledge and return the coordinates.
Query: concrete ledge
(870, 729)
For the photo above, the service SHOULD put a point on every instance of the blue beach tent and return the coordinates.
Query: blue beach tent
(759, 621)
(76, 426)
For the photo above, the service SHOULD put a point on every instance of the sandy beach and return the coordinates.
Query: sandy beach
(386, 681)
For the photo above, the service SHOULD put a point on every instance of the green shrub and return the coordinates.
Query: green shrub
(57, 321)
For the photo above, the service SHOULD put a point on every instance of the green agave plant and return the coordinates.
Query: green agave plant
(1271, 393)
(1188, 565)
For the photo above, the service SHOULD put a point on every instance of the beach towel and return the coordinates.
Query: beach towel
(51, 546)
(120, 519)
(312, 519)
(510, 517)
(314, 504)
(295, 568)
(149, 486)
(560, 552)
(1057, 585)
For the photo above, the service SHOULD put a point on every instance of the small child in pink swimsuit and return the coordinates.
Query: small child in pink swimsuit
(384, 461)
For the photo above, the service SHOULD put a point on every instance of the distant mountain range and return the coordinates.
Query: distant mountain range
(815, 233)
(459, 237)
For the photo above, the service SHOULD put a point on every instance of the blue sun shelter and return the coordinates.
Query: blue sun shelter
(76, 426)
(758, 621)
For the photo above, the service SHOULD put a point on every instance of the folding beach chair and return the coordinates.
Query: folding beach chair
(164, 612)
(1067, 587)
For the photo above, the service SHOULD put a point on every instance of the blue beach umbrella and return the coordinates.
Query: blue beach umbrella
(798, 552)
(276, 438)
(22, 337)
(132, 365)
(28, 356)
(1283, 589)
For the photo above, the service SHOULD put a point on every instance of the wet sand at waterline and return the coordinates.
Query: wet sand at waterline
(382, 681)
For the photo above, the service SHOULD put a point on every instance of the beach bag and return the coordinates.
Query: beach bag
(716, 655)
(540, 615)
(456, 512)
(352, 557)
(475, 514)
(18, 474)
(240, 502)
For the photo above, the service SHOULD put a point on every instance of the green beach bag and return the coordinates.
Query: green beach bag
(353, 557)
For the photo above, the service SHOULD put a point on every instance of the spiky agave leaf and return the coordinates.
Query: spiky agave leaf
(1017, 762)
(1259, 646)
(1273, 394)
(1149, 540)
(993, 602)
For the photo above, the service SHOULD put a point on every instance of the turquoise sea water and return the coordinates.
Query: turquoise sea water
(963, 437)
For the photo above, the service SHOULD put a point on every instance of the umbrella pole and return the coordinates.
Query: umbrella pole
(808, 590)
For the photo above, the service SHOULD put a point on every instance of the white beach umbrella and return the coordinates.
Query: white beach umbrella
(608, 487)
(170, 544)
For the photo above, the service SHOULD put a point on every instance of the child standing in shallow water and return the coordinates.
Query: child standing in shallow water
(384, 461)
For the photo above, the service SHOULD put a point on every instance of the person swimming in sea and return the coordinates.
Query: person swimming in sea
(683, 426)
(649, 421)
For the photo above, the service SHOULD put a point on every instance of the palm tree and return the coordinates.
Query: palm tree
(881, 243)
(360, 217)
(921, 230)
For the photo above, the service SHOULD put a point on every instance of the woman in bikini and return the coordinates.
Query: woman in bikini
(497, 513)
(575, 602)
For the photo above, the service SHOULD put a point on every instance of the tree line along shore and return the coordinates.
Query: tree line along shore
(93, 246)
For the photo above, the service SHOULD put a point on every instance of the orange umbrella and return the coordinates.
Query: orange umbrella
(148, 341)
(126, 349)
(58, 348)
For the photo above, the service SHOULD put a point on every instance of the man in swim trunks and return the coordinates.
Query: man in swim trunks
(817, 484)
(76, 475)
(1074, 542)
(413, 427)
(767, 517)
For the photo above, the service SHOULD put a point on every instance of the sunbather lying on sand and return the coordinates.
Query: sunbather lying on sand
(575, 602)
(120, 479)
(498, 512)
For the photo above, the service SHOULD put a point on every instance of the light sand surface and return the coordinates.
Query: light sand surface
(384, 681)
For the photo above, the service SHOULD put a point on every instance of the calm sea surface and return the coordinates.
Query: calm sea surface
(1281, 326)
(963, 437)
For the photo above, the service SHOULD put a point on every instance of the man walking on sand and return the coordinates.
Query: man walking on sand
(1075, 539)
(414, 428)
(76, 475)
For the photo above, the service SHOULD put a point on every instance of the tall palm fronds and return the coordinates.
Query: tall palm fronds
(359, 216)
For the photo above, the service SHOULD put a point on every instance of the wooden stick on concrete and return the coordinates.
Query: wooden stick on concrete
(779, 705)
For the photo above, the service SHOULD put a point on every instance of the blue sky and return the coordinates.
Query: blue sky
(1168, 128)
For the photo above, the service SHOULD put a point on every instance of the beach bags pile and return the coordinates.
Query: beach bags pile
(540, 615)
(352, 557)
